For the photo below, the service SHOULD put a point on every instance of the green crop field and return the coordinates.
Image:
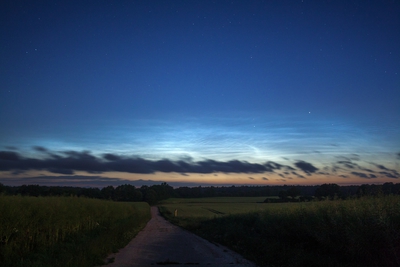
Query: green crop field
(65, 231)
(216, 200)
(356, 232)
(206, 208)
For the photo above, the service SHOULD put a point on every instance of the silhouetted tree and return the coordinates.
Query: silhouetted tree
(293, 192)
(163, 191)
(127, 192)
(108, 192)
(138, 196)
(150, 197)
(31, 190)
(388, 188)
(283, 195)
(328, 191)
(90, 192)
(369, 190)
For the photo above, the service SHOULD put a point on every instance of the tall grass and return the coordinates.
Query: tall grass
(358, 232)
(65, 231)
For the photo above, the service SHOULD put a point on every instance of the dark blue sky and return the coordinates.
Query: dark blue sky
(250, 81)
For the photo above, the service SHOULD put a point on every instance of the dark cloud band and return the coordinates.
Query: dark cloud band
(68, 162)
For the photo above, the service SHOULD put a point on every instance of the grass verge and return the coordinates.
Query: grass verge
(65, 231)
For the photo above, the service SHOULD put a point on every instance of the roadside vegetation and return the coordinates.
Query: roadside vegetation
(123, 193)
(362, 231)
(317, 225)
(65, 231)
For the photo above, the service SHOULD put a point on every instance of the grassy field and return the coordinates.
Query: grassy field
(358, 232)
(65, 231)
(206, 208)
(215, 200)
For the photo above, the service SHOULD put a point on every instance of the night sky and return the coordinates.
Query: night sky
(199, 92)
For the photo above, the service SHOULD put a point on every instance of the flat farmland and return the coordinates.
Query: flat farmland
(212, 207)
(355, 232)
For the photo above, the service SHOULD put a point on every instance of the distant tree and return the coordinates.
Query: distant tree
(151, 197)
(90, 192)
(388, 188)
(283, 194)
(108, 192)
(210, 191)
(127, 192)
(183, 192)
(327, 191)
(293, 192)
(369, 190)
(122, 192)
(196, 192)
(2, 188)
(163, 191)
(30, 190)
(266, 191)
(138, 196)
(56, 191)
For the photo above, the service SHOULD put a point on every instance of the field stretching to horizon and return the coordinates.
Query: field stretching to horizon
(65, 231)
(354, 232)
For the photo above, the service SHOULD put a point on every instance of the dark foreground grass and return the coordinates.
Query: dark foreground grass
(360, 232)
(65, 231)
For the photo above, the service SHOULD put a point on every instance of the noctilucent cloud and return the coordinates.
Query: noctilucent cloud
(199, 92)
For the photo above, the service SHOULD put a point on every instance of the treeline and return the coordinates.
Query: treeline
(287, 192)
(150, 194)
(334, 191)
(153, 194)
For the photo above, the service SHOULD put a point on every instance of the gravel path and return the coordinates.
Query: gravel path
(162, 243)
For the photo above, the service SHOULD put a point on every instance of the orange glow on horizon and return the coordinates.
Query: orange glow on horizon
(213, 179)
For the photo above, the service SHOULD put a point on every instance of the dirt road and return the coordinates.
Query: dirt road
(162, 243)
